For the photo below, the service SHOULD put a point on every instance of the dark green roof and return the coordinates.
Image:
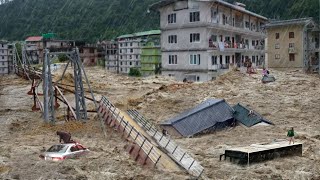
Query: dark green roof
(241, 114)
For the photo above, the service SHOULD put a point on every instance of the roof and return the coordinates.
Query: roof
(163, 3)
(34, 38)
(301, 21)
(202, 117)
(138, 34)
(242, 115)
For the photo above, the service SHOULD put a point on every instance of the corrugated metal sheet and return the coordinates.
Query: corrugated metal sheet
(242, 115)
(202, 117)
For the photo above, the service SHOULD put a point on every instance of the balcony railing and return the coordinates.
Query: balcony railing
(292, 50)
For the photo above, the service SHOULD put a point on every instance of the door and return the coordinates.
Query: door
(238, 59)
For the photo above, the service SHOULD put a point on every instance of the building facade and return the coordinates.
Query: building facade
(130, 49)
(6, 64)
(201, 39)
(293, 44)
(111, 56)
(151, 58)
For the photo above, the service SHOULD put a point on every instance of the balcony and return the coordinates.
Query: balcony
(227, 45)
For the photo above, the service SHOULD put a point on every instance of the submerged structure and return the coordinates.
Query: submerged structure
(211, 115)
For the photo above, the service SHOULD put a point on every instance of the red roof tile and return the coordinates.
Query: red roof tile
(34, 38)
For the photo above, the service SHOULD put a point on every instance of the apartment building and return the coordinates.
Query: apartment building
(151, 58)
(201, 39)
(111, 55)
(293, 43)
(35, 45)
(130, 49)
(6, 51)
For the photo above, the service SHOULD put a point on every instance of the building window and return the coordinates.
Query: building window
(214, 38)
(121, 64)
(214, 60)
(277, 56)
(91, 51)
(172, 18)
(173, 59)
(277, 46)
(291, 35)
(195, 59)
(120, 57)
(131, 44)
(172, 39)
(130, 57)
(195, 37)
(291, 45)
(120, 44)
(137, 56)
(253, 59)
(247, 24)
(277, 35)
(227, 59)
(137, 63)
(194, 16)
(130, 63)
(291, 57)
(253, 42)
(131, 50)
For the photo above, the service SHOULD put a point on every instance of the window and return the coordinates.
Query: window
(172, 39)
(91, 51)
(120, 44)
(291, 57)
(291, 35)
(253, 42)
(194, 16)
(172, 18)
(253, 59)
(130, 63)
(195, 59)
(173, 59)
(195, 37)
(137, 63)
(227, 59)
(214, 60)
(120, 50)
(277, 35)
(277, 56)
(92, 60)
(120, 57)
(277, 46)
(131, 44)
(131, 50)
(247, 24)
(130, 57)
(214, 38)
(291, 45)
(137, 56)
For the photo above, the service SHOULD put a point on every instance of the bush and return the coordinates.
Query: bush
(134, 72)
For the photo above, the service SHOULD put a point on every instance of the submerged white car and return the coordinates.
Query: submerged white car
(64, 151)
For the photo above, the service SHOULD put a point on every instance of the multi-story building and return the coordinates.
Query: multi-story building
(5, 58)
(34, 46)
(200, 39)
(111, 55)
(293, 44)
(151, 58)
(130, 49)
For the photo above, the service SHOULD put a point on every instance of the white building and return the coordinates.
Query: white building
(201, 39)
(6, 58)
(129, 47)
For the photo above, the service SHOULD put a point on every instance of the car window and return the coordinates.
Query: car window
(57, 148)
(74, 148)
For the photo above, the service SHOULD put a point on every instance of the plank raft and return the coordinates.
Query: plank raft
(262, 152)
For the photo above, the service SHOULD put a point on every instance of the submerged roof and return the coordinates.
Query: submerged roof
(202, 117)
(301, 21)
(163, 3)
(242, 115)
(34, 38)
(138, 34)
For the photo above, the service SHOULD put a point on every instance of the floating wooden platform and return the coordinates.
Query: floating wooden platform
(262, 152)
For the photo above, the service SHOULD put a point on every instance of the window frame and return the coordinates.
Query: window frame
(194, 16)
(291, 35)
(195, 38)
(194, 59)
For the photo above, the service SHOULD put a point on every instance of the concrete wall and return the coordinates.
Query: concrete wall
(283, 42)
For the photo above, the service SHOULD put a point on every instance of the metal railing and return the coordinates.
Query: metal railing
(132, 132)
(173, 150)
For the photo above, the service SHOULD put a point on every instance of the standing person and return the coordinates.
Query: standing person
(66, 137)
(291, 136)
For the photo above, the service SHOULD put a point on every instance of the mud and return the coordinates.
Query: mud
(291, 101)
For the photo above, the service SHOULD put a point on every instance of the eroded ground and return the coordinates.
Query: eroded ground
(292, 100)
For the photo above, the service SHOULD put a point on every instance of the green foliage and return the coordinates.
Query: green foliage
(19, 50)
(76, 19)
(92, 20)
(134, 72)
(62, 57)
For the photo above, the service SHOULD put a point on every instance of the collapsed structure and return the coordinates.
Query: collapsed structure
(212, 114)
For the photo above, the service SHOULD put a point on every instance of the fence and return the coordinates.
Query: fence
(173, 150)
(114, 118)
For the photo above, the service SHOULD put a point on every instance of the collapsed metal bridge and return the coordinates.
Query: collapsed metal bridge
(46, 92)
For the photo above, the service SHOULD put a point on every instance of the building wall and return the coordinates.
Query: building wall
(150, 58)
(227, 24)
(283, 51)
(5, 58)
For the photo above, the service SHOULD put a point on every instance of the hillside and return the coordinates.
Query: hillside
(105, 19)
